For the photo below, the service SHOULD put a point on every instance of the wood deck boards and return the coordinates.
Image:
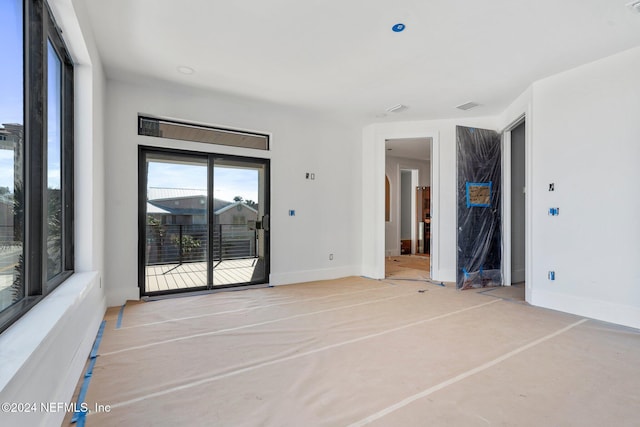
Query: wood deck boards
(168, 277)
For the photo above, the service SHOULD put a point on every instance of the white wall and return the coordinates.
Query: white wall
(44, 352)
(393, 166)
(443, 190)
(586, 140)
(582, 135)
(327, 209)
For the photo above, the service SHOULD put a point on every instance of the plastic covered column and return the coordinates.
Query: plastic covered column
(479, 258)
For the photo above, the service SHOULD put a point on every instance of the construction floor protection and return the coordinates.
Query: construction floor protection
(356, 352)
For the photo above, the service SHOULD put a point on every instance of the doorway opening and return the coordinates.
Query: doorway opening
(518, 212)
(515, 212)
(203, 221)
(408, 224)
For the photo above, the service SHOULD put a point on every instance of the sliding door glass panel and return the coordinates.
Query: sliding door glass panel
(240, 225)
(176, 230)
(204, 221)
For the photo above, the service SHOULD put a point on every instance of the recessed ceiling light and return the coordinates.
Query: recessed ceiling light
(467, 106)
(397, 108)
(186, 70)
(634, 5)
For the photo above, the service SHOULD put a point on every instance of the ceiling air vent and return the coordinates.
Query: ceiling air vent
(469, 105)
(397, 108)
(634, 5)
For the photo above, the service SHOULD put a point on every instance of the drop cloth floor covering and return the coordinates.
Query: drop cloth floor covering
(407, 267)
(355, 352)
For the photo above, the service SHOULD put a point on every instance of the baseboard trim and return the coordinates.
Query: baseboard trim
(117, 297)
(596, 309)
(444, 275)
(288, 278)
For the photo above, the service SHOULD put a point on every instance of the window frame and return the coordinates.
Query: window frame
(151, 126)
(39, 27)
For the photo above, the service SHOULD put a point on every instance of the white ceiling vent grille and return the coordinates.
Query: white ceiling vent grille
(468, 105)
(397, 108)
(634, 5)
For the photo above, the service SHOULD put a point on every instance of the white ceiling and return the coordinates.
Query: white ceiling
(410, 148)
(342, 56)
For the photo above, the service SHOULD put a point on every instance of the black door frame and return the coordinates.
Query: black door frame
(143, 151)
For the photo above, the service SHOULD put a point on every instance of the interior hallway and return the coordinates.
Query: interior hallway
(355, 352)
(407, 267)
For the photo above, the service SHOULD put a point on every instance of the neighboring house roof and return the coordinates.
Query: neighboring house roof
(160, 195)
(153, 209)
(226, 208)
(157, 198)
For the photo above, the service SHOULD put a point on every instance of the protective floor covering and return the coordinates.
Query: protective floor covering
(355, 352)
(514, 293)
(407, 267)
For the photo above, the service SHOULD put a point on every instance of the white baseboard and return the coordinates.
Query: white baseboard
(117, 297)
(444, 275)
(620, 314)
(276, 279)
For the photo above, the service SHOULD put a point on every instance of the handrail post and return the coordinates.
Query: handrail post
(180, 244)
(220, 242)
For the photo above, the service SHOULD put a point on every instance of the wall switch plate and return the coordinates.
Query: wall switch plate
(552, 275)
(313, 176)
(292, 212)
(552, 187)
(307, 175)
(330, 257)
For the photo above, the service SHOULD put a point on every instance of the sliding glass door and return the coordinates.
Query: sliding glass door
(239, 222)
(204, 221)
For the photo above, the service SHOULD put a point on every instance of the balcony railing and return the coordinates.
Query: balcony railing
(177, 244)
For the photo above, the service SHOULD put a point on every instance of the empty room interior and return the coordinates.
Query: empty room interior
(280, 213)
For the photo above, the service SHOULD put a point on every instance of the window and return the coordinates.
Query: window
(36, 157)
(201, 133)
